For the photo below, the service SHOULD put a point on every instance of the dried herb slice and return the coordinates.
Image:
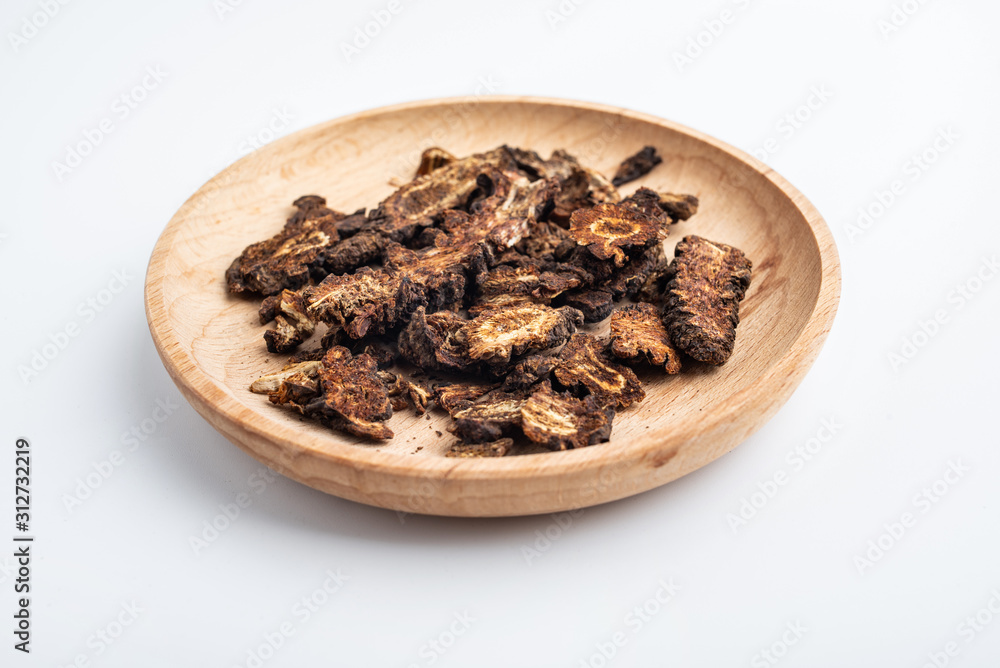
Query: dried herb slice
(582, 363)
(636, 166)
(293, 325)
(491, 417)
(497, 448)
(638, 335)
(609, 230)
(353, 397)
(285, 260)
(560, 421)
(495, 336)
(703, 298)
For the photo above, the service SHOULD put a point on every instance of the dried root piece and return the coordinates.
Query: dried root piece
(655, 285)
(401, 215)
(495, 336)
(627, 281)
(530, 278)
(458, 396)
(428, 341)
(403, 393)
(636, 166)
(434, 158)
(491, 417)
(284, 261)
(665, 207)
(481, 304)
(353, 397)
(560, 421)
(365, 300)
(529, 371)
(582, 363)
(497, 448)
(702, 302)
(609, 230)
(292, 324)
(596, 305)
(271, 382)
(638, 335)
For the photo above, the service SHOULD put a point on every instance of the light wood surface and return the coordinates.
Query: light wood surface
(211, 342)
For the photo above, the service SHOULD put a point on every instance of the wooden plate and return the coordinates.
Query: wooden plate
(210, 342)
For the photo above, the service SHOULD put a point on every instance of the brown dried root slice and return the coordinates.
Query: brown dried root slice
(292, 324)
(638, 335)
(578, 186)
(352, 396)
(271, 382)
(548, 241)
(609, 230)
(459, 396)
(491, 417)
(495, 336)
(403, 393)
(636, 166)
(297, 390)
(668, 208)
(655, 285)
(368, 299)
(428, 341)
(560, 421)
(702, 299)
(285, 260)
(497, 448)
(582, 363)
(627, 281)
(481, 305)
(531, 278)
(529, 371)
(596, 305)
(434, 158)
(414, 206)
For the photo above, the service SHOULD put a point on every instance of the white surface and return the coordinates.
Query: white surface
(409, 577)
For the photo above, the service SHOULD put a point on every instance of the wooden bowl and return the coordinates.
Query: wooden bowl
(211, 342)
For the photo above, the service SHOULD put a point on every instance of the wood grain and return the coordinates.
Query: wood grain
(211, 342)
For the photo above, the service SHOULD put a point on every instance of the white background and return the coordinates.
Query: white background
(901, 423)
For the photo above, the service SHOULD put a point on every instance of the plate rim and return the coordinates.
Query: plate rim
(212, 400)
